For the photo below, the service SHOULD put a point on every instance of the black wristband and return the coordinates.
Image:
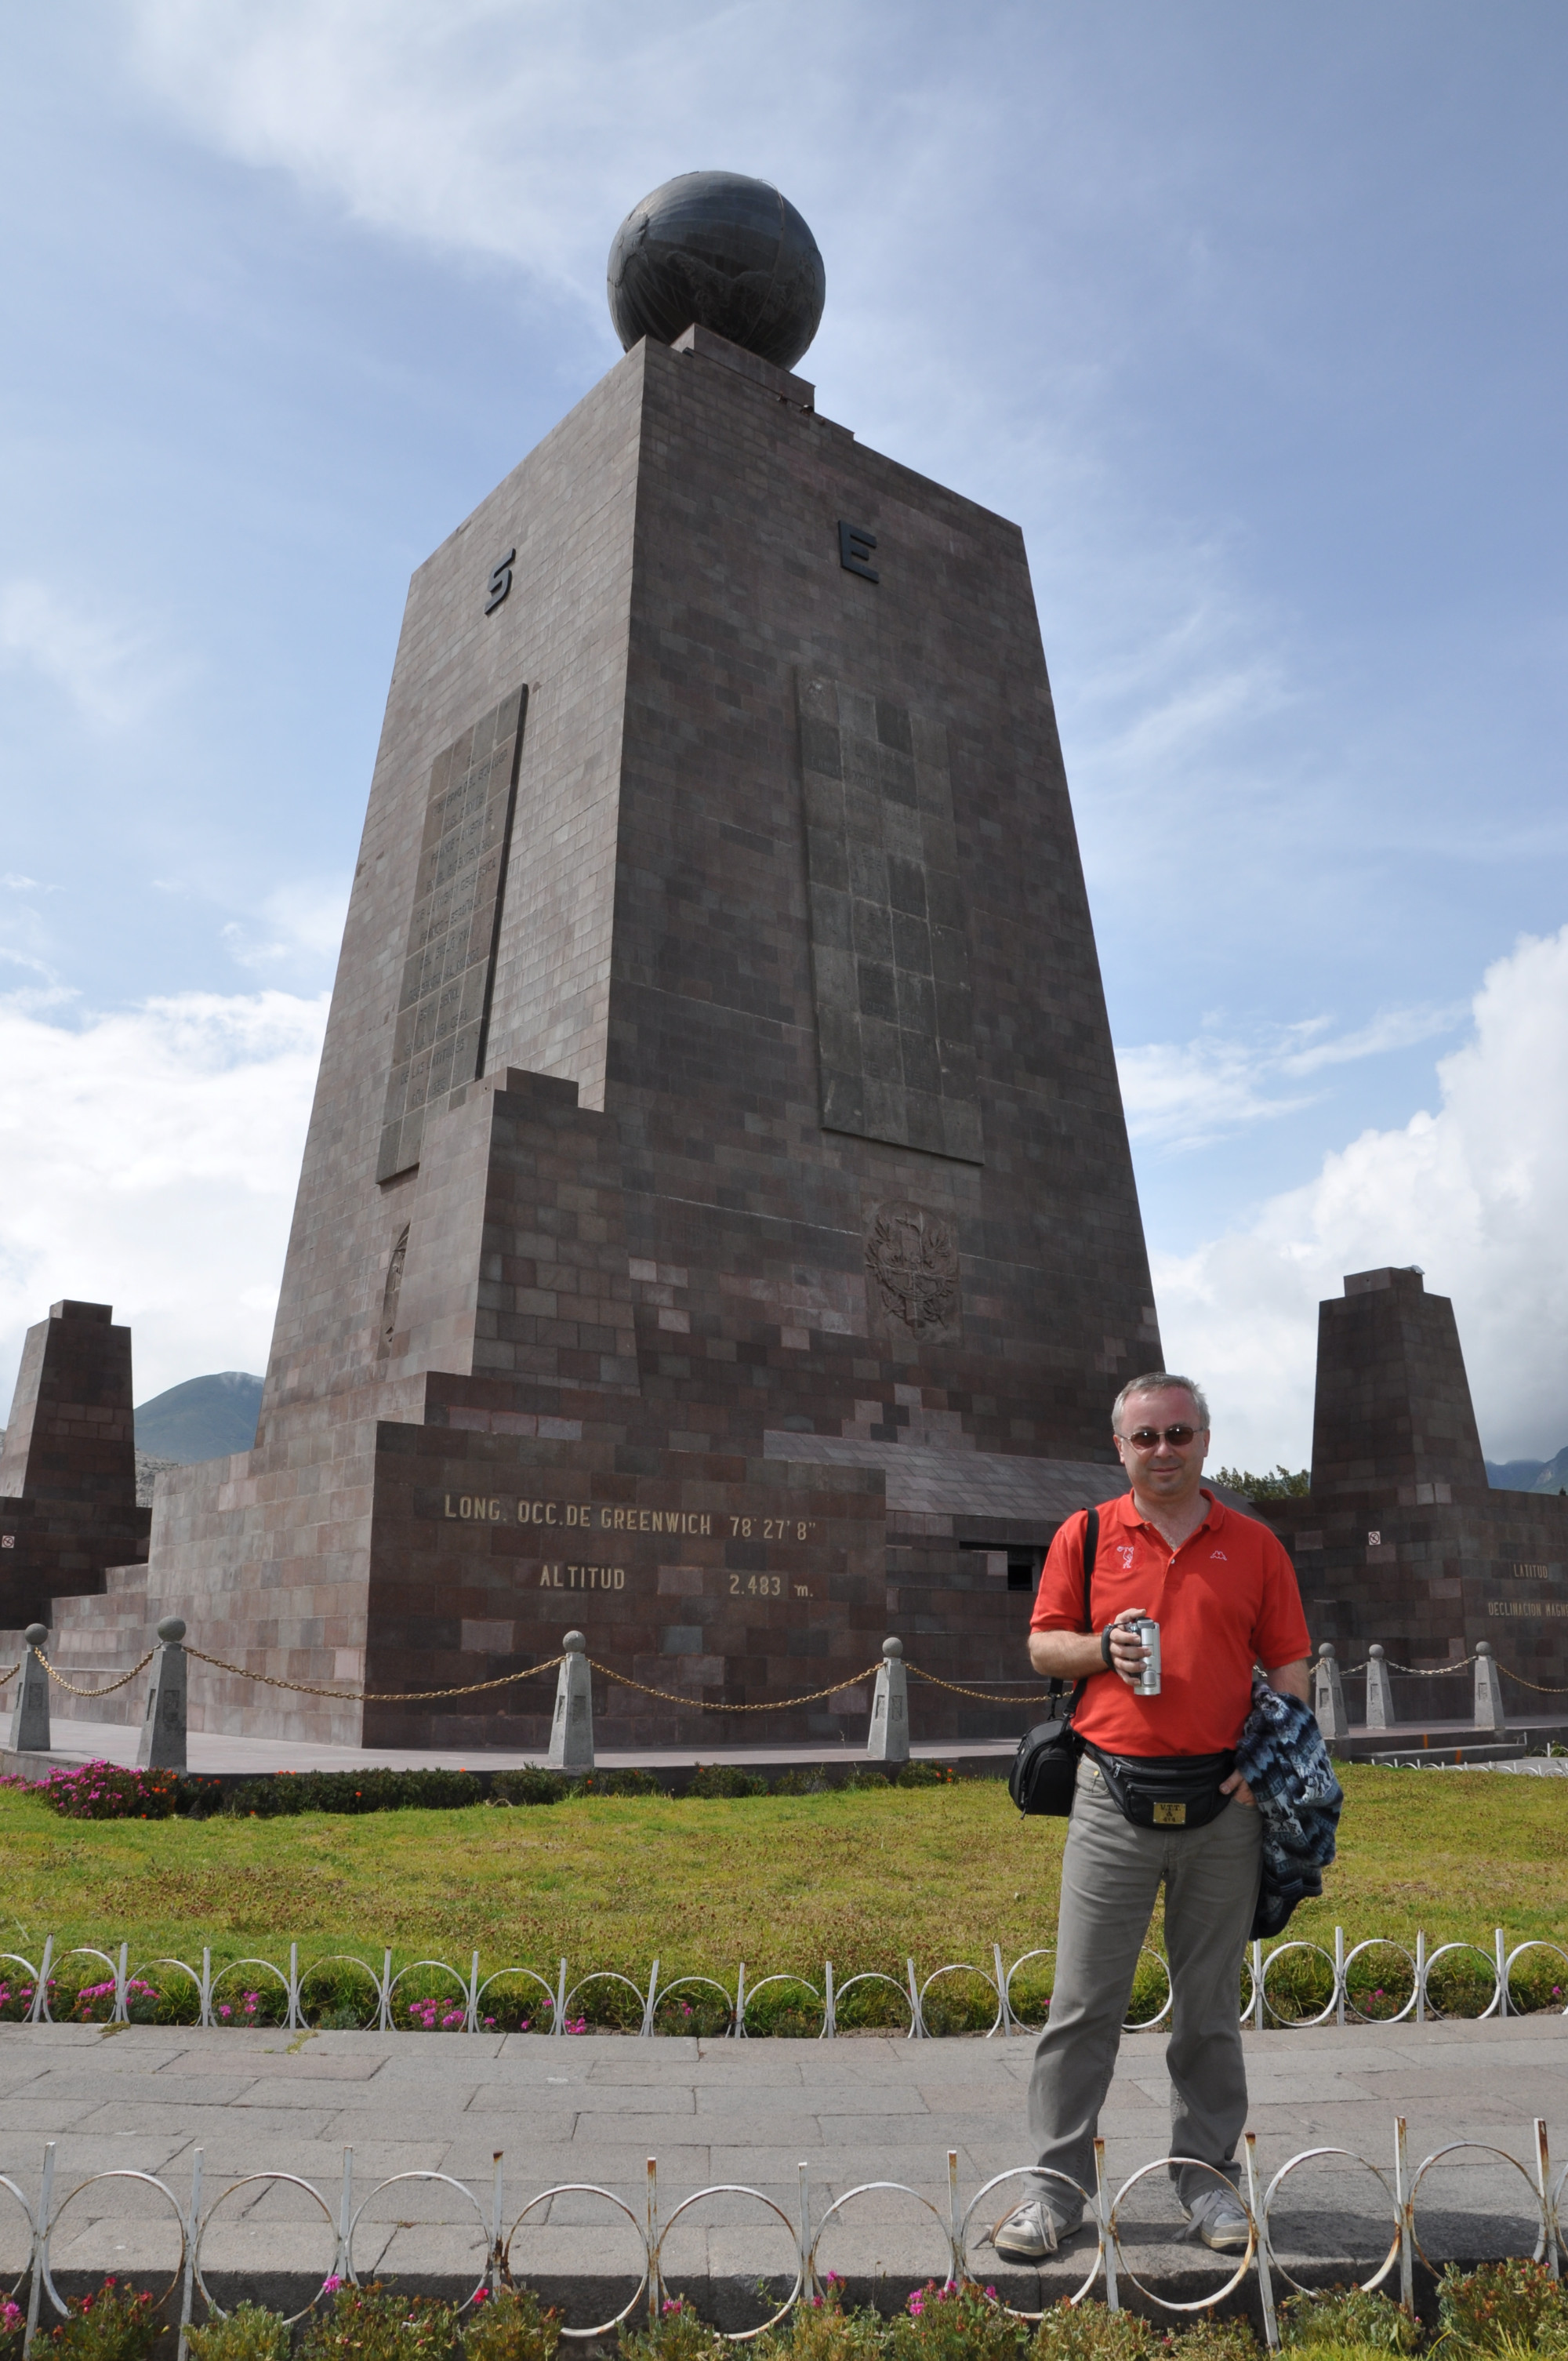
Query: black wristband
(1105, 1645)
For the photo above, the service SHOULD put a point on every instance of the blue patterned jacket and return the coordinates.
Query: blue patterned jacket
(1282, 1757)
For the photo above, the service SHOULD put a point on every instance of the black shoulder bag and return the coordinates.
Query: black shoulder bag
(1044, 1769)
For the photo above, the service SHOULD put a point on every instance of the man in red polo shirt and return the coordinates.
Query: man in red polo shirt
(1224, 1593)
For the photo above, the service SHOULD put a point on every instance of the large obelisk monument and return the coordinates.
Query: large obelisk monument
(717, 1226)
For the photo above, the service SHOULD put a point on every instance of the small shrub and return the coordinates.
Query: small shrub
(337, 1998)
(1209, 2339)
(725, 1780)
(823, 2331)
(1088, 2331)
(196, 1798)
(511, 2326)
(1349, 2316)
(250, 2332)
(103, 1791)
(377, 2323)
(790, 2010)
(942, 2322)
(617, 1783)
(1512, 2303)
(924, 1774)
(117, 2323)
(676, 2335)
(528, 1786)
(95, 2004)
(861, 1776)
(810, 1781)
(286, 1793)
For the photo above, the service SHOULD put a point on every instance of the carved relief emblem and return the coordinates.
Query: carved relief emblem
(912, 1258)
(393, 1288)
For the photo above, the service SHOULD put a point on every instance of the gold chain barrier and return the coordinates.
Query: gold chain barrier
(366, 1696)
(8, 1673)
(984, 1695)
(779, 1704)
(109, 1686)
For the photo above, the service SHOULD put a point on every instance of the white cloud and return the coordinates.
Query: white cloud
(104, 666)
(502, 127)
(1180, 1095)
(303, 920)
(1476, 1192)
(151, 1158)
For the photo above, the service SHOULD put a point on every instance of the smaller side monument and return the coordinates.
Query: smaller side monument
(1402, 1541)
(68, 1471)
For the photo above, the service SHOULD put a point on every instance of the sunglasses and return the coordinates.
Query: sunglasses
(1146, 1438)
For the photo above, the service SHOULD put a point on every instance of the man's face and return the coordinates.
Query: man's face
(1161, 1469)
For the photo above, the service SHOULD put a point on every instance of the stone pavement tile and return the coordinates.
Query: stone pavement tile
(622, 2167)
(604, 2099)
(365, 2102)
(381, 2249)
(22, 2155)
(17, 2072)
(78, 2078)
(147, 2117)
(280, 2065)
(750, 2067)
(48, 2117)
(869, 2158)
(894, 2097)
(151, 2252)
(736, 2238)
(236, 2154)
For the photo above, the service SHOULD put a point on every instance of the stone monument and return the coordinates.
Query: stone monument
(717, 1227)
(68, 1468)
(1402, 1546)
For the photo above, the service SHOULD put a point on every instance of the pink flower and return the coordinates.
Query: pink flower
(331, 2284)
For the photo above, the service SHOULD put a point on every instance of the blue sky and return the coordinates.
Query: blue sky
(1252, 316)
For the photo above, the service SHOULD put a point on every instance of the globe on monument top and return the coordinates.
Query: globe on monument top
(727, 253)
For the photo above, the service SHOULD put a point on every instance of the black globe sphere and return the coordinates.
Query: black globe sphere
(727, 253)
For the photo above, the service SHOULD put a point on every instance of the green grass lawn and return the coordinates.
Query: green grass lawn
(863, 1878)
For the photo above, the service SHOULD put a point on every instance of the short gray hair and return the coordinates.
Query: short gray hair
(1157, 1381)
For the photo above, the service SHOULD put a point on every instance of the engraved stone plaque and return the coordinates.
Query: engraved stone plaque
(890, 949)
(912, 1260)
(445, 1006)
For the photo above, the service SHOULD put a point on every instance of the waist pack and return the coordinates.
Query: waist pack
(1044, 1769)
(1165, 1791)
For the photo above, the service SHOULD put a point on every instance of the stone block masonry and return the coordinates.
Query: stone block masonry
(716, 1200)
(1401, 1541)
(67, 1477)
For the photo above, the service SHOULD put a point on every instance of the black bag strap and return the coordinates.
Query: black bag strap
(1091, 1551)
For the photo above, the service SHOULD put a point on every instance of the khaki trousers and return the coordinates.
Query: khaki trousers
(1112, 1873)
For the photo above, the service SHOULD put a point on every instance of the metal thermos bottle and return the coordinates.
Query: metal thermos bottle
(1148, 1633)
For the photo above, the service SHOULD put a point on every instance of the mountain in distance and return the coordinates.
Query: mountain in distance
(1530, 1475)
(206, 1417)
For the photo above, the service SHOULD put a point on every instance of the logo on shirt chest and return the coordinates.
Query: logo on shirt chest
(1125, 1552)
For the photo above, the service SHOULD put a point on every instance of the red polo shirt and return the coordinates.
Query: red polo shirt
(1224, 1601)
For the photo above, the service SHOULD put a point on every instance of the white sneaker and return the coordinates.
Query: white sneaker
(1220, 2220)
(1033, 2231)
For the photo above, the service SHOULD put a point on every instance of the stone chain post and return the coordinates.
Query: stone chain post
(1489, 1713)
(572, 1731)
(889, 1739)
(29, 1715)
(1379, 1691)
(1327, 1693)
(161, 1746)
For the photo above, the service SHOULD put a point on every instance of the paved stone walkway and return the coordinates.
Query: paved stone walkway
(210, 1751)
(593, 2109)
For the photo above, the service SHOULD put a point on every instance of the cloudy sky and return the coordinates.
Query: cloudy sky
(1254, 318)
